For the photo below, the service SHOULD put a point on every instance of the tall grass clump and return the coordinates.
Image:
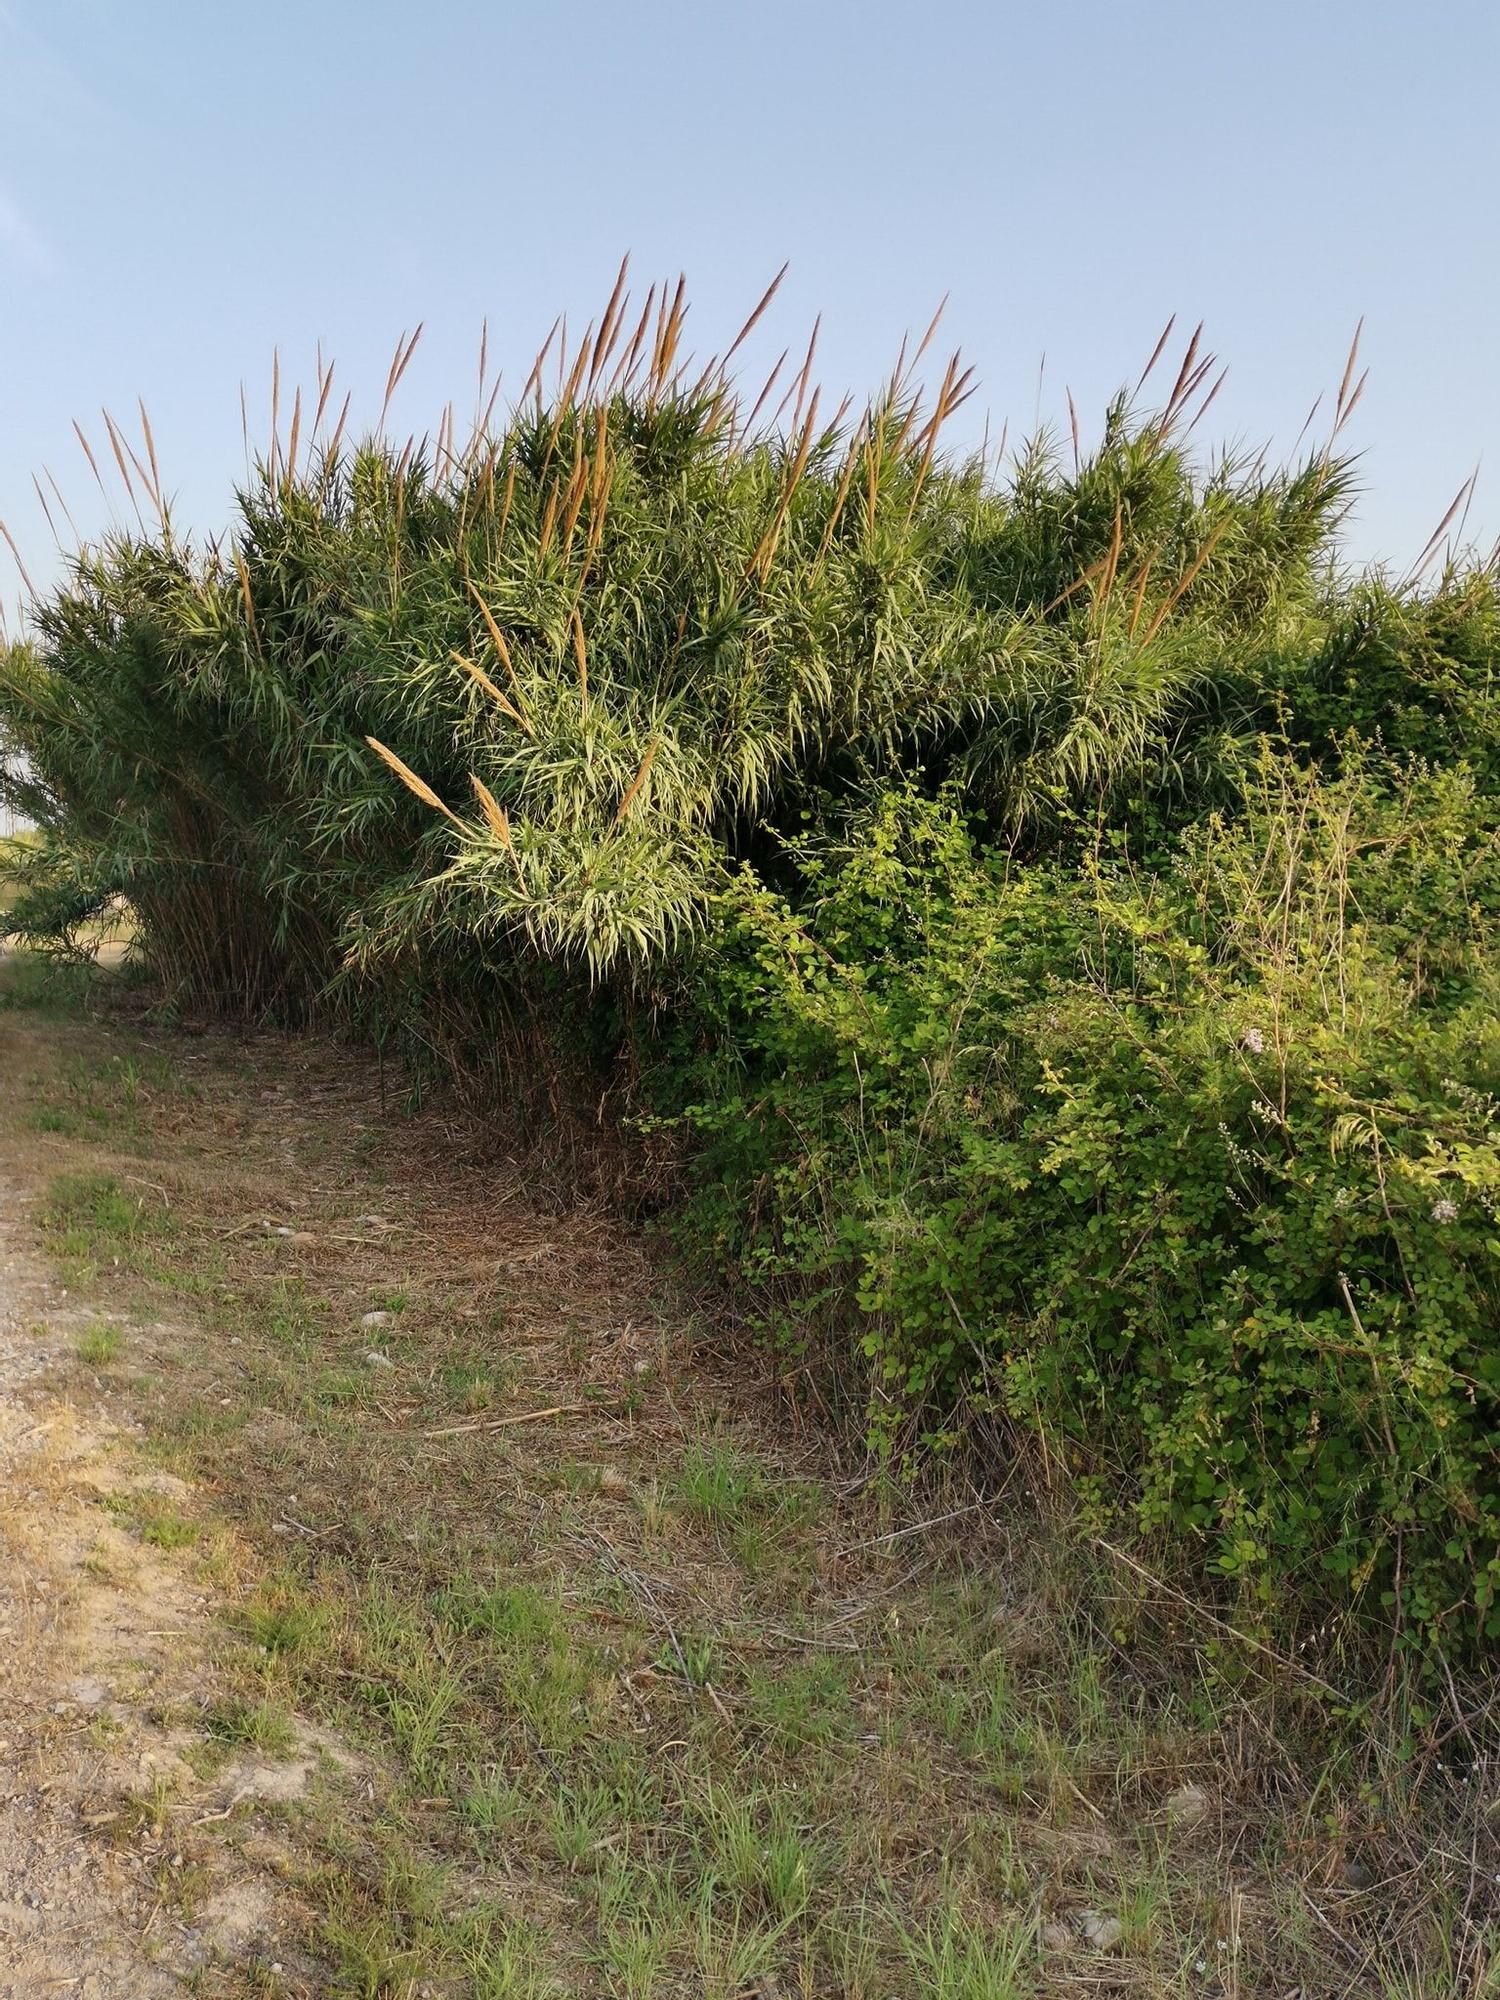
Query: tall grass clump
(607, 645)
(1035, 911)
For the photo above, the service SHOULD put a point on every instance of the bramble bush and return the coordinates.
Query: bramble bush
(1194, 1172)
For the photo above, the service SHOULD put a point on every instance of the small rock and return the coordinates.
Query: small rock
(1187, 1805)
(1056, 1937)
(377, 1319)
(1099, 1932)
(375, 1359)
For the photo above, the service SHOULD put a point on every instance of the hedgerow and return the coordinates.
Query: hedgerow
(1042, 912)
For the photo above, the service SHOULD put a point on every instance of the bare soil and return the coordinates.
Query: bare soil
(108, 1641)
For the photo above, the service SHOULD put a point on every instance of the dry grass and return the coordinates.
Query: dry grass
(663, 1697)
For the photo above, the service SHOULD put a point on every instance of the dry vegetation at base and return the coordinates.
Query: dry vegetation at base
(658, 1696)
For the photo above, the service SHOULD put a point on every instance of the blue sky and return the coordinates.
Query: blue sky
(184, 187)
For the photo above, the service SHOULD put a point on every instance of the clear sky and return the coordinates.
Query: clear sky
(185, 186)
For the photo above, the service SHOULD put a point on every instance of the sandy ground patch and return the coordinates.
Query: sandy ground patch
(120, 1876)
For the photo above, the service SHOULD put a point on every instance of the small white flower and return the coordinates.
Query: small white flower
(1254, 1041)
(1445, 1210)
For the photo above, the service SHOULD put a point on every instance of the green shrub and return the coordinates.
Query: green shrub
(1195, 1173)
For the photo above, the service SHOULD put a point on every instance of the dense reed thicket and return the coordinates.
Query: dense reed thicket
(1041, 913)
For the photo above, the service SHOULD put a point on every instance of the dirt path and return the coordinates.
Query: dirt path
(119, 1876)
